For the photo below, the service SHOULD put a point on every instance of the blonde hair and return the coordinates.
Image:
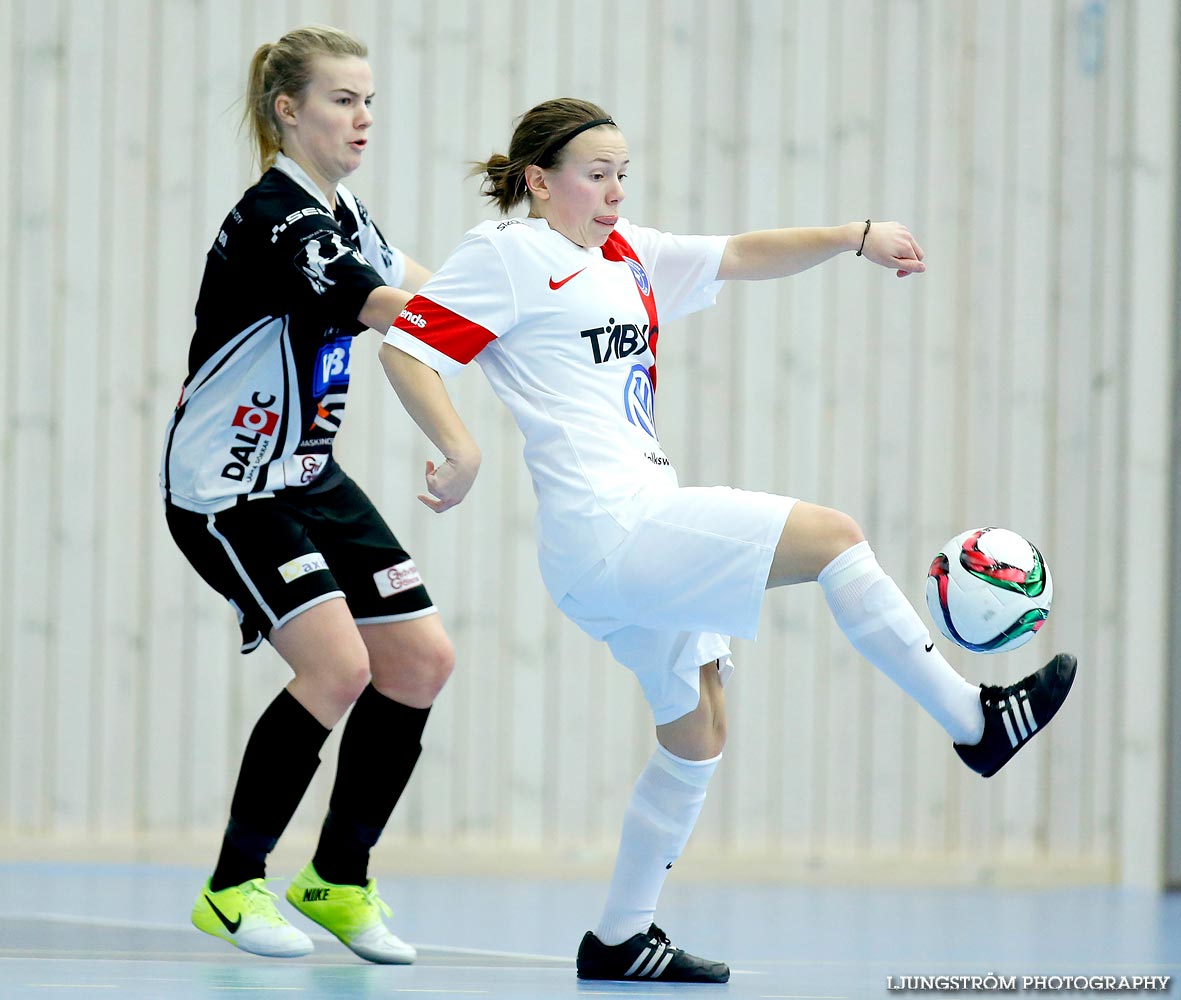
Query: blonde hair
(533, 142)
(285, 67)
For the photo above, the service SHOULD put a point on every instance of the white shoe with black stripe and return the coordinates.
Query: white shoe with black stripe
(646, 958)
(1014, 715)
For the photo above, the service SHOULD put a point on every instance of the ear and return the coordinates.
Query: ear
(285, 109)
(535, 182)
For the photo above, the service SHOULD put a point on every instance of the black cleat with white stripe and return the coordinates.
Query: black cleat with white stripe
(1014, 715)
(647, 958)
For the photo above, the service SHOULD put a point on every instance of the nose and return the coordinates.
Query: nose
(364, 117)
(616, 194)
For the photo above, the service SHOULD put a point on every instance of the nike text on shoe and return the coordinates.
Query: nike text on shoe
(352, 913)
(1014, 715)
(646, 957)
(245, 915)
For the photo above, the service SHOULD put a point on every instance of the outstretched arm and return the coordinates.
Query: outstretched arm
(421, 391)
(776, 253)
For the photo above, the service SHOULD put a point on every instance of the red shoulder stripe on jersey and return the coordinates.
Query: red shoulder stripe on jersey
(447, 332)
(618, 249)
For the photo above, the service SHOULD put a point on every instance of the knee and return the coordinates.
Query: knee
(841, 532)
(416, 679)
(435, 667)
(343, 684)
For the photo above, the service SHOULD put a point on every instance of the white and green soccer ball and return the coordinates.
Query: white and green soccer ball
(989, 590)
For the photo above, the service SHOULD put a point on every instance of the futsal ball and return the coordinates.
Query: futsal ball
(989, 590)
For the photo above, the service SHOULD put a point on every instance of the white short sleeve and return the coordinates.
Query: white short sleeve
(683, 269)
(465, 305)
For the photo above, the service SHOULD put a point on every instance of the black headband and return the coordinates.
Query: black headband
(561, 141)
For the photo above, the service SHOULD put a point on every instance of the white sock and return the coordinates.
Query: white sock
(664, 806)
(883, 627)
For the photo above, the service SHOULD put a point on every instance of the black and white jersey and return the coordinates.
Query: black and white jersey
(268, 367)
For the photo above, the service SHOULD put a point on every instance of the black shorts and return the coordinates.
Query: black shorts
(276, 556)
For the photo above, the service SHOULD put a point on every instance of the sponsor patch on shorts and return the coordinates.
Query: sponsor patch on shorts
(292, 571)
(397, 578)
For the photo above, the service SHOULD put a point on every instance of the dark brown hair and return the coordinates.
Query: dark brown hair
(533, 142)
(285, 67)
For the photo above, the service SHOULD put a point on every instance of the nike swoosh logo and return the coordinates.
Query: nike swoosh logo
(231, 925)
(555, 285)
(929, 646)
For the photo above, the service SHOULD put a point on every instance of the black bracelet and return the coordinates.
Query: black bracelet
(863, 235)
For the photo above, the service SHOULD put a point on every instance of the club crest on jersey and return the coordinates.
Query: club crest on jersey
(640, 274)
(318, 252)
(332, 365)
(639, 399)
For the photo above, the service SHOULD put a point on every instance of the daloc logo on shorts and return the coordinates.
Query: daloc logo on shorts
(639, 399)
(332, 365)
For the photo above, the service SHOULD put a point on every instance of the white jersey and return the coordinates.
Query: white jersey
(567, 337)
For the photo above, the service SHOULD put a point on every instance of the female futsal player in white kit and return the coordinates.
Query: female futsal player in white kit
(562, 310)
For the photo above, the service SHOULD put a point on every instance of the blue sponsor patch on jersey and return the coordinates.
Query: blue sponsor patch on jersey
(332, 366)
(640, 274)
(639, 399)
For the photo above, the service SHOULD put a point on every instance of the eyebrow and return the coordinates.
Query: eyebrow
(608, 159)
(350, 92)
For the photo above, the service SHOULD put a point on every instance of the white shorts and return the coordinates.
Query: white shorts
(690, 574)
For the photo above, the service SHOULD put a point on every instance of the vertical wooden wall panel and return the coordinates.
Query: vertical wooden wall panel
(73, 567)
(1029, 147)
(897, 413)
(122, 415)
(1072, 418)
(754, 755)
(170, 245)
(983, 376)
(12, 41)
(1103, 612)
(850, 370)
(1023, 339)
(943, 230)
(34, 424)
(801, 623)
(1151, 171)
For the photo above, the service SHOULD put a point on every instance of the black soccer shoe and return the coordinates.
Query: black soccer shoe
(1014, 715)
(646, 957)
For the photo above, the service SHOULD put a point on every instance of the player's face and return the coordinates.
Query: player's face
(327, 131)
(583, 193)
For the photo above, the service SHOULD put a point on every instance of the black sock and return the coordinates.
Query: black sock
(281, 757)
(378, 750)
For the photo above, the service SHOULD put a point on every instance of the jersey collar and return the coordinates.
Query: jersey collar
(543, 225)
(297, 173)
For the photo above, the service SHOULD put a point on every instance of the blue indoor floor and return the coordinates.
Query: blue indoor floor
(122, 931)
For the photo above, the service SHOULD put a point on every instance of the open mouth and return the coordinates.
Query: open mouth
(606, 220)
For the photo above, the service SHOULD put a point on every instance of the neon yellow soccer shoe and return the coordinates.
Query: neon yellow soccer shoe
(245, 915)
(352, 913)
